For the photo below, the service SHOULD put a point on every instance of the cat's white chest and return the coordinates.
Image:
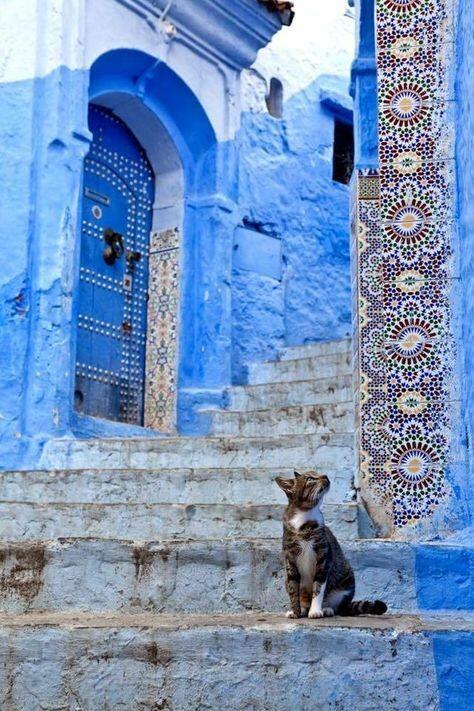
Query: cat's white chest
(302, 517)
(306, 563)
(306, 559)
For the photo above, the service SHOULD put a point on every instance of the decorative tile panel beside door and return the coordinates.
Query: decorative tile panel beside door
(405, 247)
(162, 332)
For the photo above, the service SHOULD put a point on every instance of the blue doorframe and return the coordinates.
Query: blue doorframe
(209, 218)
(116, 217)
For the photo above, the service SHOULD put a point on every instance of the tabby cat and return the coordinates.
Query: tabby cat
(319, 579)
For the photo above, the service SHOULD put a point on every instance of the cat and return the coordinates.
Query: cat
(319, 579)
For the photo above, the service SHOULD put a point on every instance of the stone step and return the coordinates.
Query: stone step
(310, 350)
(160, 486)
(312, 368)
(326, 451)
(131, 521)
(304, 392)
(299, 419)
(191, 576)
(239, 662)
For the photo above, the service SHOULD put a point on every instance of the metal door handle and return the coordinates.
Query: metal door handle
(132, 257)
(115, 248)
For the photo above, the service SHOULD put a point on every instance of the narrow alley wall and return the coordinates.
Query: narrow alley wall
(465, 178)
(291, 275)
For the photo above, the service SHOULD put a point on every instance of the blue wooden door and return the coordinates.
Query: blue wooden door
(118, 189)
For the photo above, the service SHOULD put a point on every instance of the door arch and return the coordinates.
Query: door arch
(117, 203)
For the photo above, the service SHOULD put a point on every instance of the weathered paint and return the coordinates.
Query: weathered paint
(444, 576)
(226, 317)
(465, 180)
(454, 662)
(97, 575)
(239, 662)
(286, 191)
(45, 89)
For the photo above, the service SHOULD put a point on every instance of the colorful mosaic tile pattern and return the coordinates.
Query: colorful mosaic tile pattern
(405, 228)
(161, 347)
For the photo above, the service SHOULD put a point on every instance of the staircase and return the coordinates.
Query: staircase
(146, 573)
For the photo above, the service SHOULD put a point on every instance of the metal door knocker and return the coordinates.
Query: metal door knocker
(115, 248)
(132, 258)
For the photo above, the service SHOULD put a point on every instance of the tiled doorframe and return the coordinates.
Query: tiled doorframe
(404, 233)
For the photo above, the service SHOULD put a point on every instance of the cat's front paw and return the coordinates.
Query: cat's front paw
(328, 612)
(315, 614)
(291, 615)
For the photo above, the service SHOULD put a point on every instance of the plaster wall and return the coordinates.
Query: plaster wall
(183, 71)
(286, 188)
(465, 179)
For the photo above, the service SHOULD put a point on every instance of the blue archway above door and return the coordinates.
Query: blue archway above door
(135, 73)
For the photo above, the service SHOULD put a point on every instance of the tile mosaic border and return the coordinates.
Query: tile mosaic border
(162, 330)
(405, 232)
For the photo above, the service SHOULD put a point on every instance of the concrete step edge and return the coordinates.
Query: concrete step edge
(405, 623)
(178, 506)
(308, 358)
(129, 441)
(271, 410)
(280, 371)
(273, 541)
(336, 379)
(162, 471)
(331, 347)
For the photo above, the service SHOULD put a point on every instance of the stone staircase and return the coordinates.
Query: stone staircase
(146, 573)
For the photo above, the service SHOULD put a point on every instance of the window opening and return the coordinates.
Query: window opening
(274, 98)
(343, 152)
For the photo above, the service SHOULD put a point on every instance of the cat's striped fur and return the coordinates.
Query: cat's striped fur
(319, 579)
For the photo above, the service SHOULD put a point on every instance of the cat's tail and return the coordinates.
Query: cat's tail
(363, 607)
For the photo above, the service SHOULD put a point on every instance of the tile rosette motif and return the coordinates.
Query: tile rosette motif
(162, 331)
(406, 226)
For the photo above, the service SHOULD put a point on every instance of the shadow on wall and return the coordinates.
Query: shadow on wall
(287, 193)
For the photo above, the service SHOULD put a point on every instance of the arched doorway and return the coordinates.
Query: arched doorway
(117, 202)
(187, 359)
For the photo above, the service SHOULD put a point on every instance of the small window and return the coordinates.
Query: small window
(343, 153)
(274, 98)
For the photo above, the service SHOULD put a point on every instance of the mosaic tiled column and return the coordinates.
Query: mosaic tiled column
(162, 331)
(405, 224)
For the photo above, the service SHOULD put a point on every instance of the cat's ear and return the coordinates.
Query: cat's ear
(287, 485)
(297, 474)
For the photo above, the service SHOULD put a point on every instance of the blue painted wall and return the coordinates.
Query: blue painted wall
(364, 88)
(444, 577)
(41, 156)
(286, 191)
(454, 661)
(465, 179)
(296, 235)
(44, 137)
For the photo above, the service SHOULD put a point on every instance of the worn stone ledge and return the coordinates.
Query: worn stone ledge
(35, 521)
(331, 451)
(173, 486)
(207, 575)
(408, 623)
